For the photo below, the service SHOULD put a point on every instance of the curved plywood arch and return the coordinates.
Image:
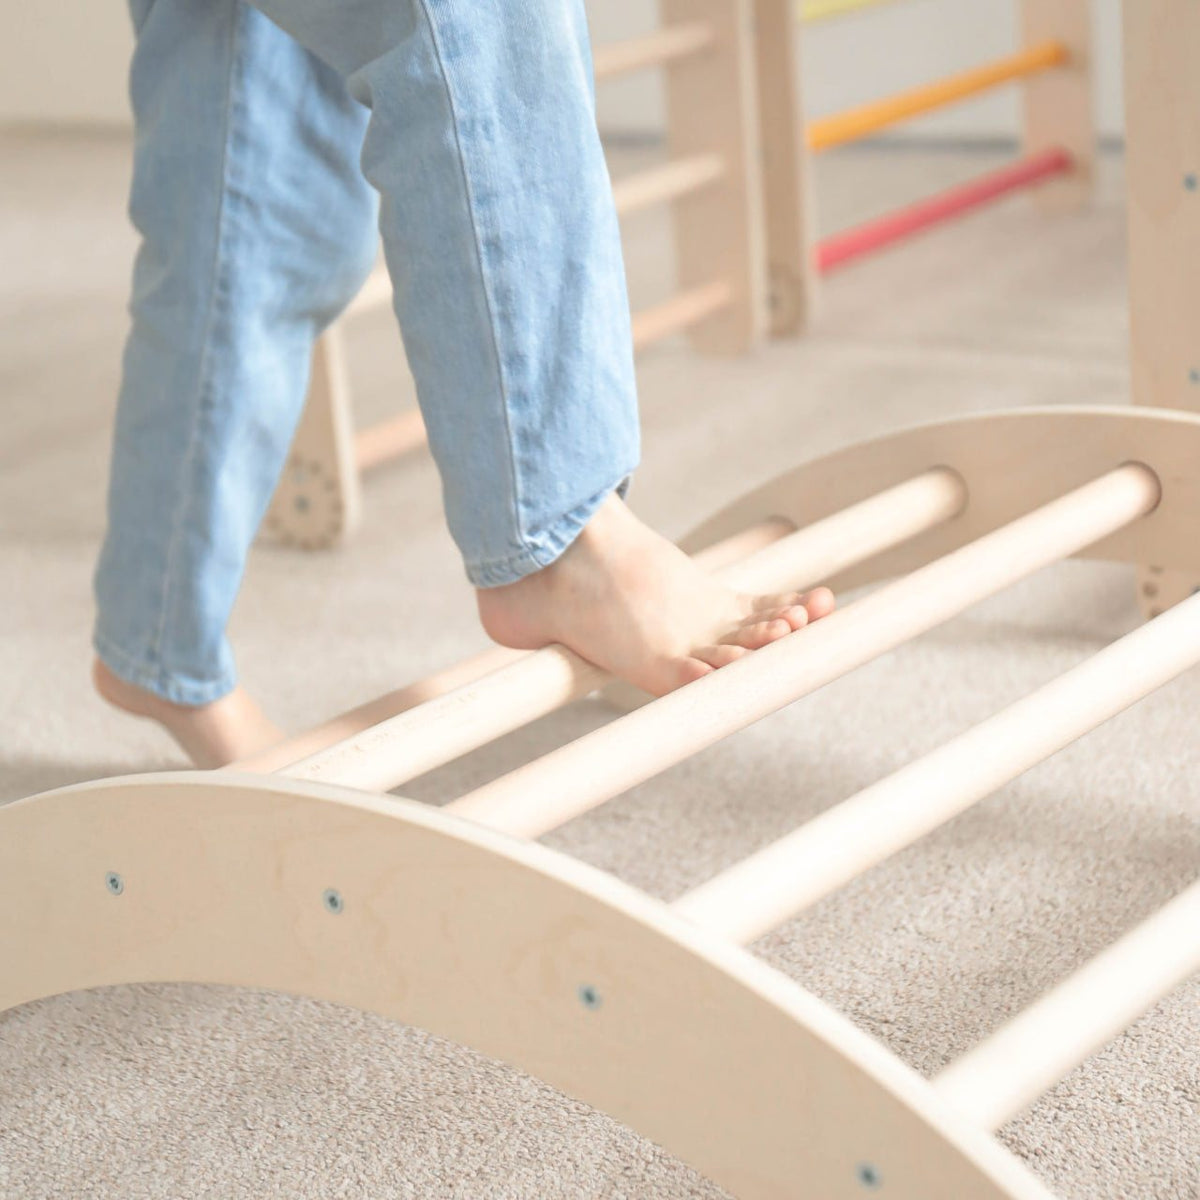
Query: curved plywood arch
(1012, 462)
(508, 947)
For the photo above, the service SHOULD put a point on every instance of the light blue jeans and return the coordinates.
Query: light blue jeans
(273, 145)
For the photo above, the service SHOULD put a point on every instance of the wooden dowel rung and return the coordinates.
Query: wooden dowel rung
(794, 872)
(382, 754)
(375, 292)
(679, 313)
(389, 439)
(382, 708)
(840, 248)
(741, 545)
(567, 782)
(826, 548)
(1024, 1058)
(867, 119)
(670, 181)
(417, 741)
(654, 50)
(821, 10)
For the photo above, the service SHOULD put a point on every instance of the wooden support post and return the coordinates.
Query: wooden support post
(1004, 1074)
(790, 213)
(1162, 160)
(711, 108)
(1058, 105)
(318, 499)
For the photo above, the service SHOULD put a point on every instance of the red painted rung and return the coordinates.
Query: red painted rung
(873, 235)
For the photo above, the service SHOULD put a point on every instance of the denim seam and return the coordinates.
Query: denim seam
(553, 543)
(202, 378)
(130, 669)
(483, 276)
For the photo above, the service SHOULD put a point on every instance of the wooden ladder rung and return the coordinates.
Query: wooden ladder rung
(1024, 1058)
(679, 313)
(567, 782)
(392, 704)
(654, 50)
(670, 181)
(376, 292)
(767, 888)
(861, 122)
(417, 741)
(377, 444)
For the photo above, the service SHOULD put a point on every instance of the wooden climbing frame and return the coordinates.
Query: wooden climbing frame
(295, 873)
(1053, 67)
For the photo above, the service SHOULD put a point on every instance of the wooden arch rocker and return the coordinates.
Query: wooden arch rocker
(291, 875)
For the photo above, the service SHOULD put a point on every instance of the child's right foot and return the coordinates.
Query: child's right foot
(211, 735)
(629, 601)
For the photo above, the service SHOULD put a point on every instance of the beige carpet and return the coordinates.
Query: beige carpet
(178, 1091)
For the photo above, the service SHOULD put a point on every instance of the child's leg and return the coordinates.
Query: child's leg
(503, 246)
(256, 226)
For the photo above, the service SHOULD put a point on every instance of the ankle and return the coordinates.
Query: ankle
(122, 694)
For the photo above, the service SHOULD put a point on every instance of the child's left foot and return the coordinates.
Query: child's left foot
(212, 735)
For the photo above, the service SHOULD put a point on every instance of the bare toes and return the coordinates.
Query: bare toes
(688, 670)
(796, 616)
(815, 604)
(772, 603)
(721, 656)
(759, 633)
(820, 602)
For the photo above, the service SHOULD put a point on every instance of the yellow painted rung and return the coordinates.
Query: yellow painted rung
(863, 121)
(819, 10)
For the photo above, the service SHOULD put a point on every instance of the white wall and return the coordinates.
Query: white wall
(64, 61)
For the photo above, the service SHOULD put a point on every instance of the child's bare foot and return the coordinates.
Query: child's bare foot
(212, 735)
(629, 601)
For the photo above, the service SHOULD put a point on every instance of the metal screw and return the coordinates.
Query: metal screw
(114, 883)
(301, 503)
(332, 899)
(868, 1175)
(1190, 181)
(588, 996)
(1194, 375)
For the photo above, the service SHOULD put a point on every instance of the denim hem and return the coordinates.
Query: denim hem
(153, 679)
(545, 546)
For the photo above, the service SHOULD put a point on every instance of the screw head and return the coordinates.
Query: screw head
(1194, 375)
(114, 883)
(1190, 181)
(332, 899)
(868, 1175)
(589, 997)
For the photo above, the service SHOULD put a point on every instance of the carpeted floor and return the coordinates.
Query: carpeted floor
(180, 1091)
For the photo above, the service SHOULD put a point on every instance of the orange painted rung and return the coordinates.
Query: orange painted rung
(867, 119)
